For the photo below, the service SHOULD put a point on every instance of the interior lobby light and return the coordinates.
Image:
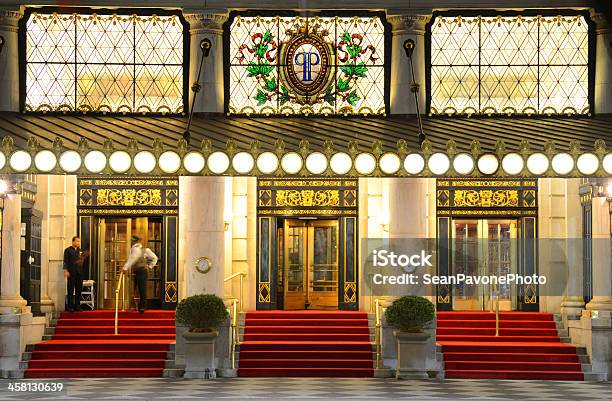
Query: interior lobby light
(218, 162)
(463, 163)
(243, 162)
(267, 162)
(607, 163)
(438, 163)
(194, 162)
(562, 163)
(587, 163)
(45, 161)
(389, 163)
(537, 163)
(513, 163)
(70, 161)
(169, 162)
(414, 163)
(144, 162)
(316, 163)
(341, 163)
(365, 163)
(95, 161)
(291, 163)
(120, 161)
(20, 161)
(488, 164)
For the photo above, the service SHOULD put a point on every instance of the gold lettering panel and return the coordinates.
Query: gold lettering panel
(486, 198)
(128, 197)
(307, 197)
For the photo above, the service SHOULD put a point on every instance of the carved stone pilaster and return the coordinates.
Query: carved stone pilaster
(207, 23)
(602, 24)
(404, 24)
(9, 19)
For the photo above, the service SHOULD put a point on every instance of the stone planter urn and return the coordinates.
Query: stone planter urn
(412, 349)
(200, 354)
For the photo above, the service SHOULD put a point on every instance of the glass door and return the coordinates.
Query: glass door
(296, 262)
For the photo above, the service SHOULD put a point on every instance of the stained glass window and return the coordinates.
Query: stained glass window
(299, 65)
(104, 63)
(509, 65)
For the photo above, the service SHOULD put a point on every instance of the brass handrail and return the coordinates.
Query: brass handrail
(233, 276)
(234, 332)
(119, 287)
(378, 334)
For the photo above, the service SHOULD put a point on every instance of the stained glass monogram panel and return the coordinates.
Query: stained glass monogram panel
(509, 65)
(314, 65)
(104, 63)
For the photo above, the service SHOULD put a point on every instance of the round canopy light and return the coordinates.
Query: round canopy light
(365, 163)
(316, 163)
(587, 163)
(267, 162)
(169, 162)
(45, 161)
(463, 163)
(120, 161)
(414, 163)
(390, 163)
(218, 162)
(513, 163)
(243, 162)
(537, 163)
(144, 162)
(194, 162)
(562, 163)
(2, 160)
(291, 163)
(70, 161)
(438, 163)
(20, 161)
(341, 163)
(488, 164)
(607, 163)
(95, 161)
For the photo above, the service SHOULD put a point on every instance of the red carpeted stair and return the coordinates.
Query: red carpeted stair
(306, 344)
(84, 345)
(528, 347)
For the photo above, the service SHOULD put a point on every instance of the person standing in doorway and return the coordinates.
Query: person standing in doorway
(74, 259)
(140, 261)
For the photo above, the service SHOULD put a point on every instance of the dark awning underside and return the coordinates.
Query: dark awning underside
(244, 130)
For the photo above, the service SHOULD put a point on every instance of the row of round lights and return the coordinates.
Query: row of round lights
(170, 162)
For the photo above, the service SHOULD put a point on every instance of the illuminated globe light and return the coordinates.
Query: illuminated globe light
(20, 160)
(389, 163)
(291, 163)
(95, 161)
(488, 164)
(562, 163)
(70, 161)
(45, 161)
(144, 162)
(243, 162)
(463, 163)
(537, 163)
(218, 162)
(2, 160)
(513, 163)
(341, 163)
(120, 161)
(169, 162)
(438, 163)
(414, 163)
(316, 163)
(194, 162)
(607, 163)
(365, 163)
(267, 162)
(587, 163)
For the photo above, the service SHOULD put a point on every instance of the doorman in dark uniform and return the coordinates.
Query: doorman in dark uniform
(74, 259)
(141, 260)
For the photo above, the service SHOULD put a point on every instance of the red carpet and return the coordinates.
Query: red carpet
(306, 344)
(84, 345)
(527, 347)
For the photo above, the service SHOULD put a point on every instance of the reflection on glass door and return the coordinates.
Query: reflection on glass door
(484, 248)
(310, 264)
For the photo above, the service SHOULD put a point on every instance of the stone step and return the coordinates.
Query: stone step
(174, 372)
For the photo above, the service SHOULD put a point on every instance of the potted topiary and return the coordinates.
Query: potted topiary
(409, 314)
(201, 314)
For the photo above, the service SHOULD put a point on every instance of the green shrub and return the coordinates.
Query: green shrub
(410, 313)
(201, 312)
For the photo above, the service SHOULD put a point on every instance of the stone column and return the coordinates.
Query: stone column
(602, 274)
(603, 67)
(407, 207)
(10, 296)
(407, 27)
(42, 203)
(9, 59)
(207, 25)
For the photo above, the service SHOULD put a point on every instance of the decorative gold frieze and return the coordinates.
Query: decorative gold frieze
(170, 292)
(306, 183)
(128, 197)
(264, 292)
(128, 212)
(350, 198)
(307, 197)
(306, 212)
(485, 198)
(350, 292)
(443, 197)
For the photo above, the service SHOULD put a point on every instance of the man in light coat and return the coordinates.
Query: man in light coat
(140, 261)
